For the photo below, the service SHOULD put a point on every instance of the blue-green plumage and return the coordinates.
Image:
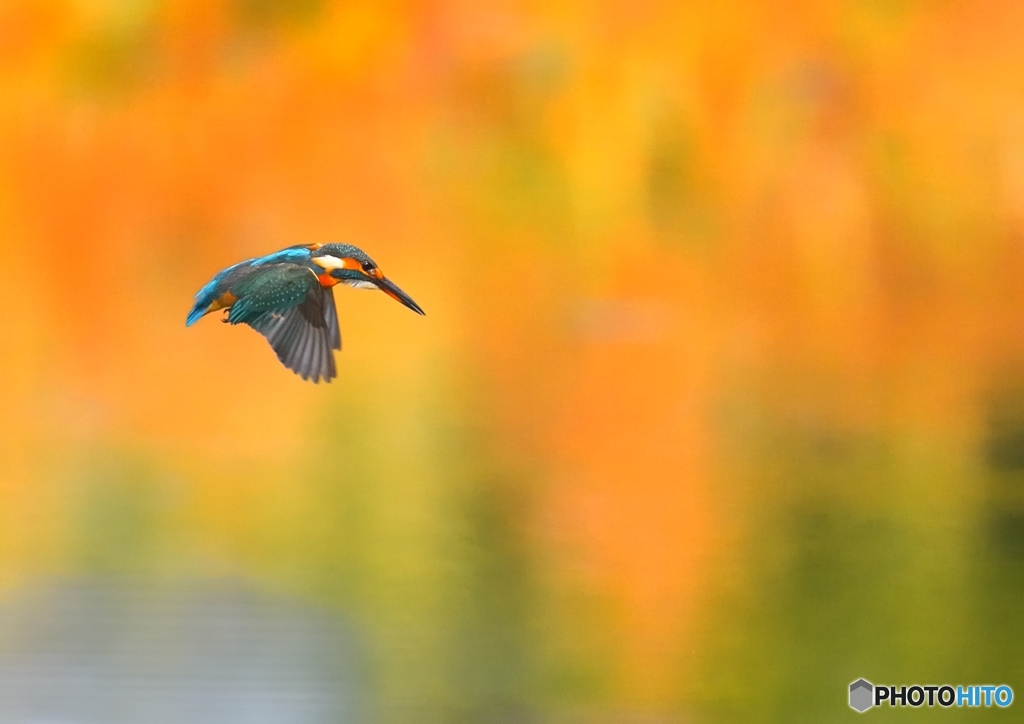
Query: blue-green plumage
(216, 286)
(273, 288)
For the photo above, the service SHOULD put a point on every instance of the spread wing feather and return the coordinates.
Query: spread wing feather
(301, 346)
(331, 319)
(286, 304)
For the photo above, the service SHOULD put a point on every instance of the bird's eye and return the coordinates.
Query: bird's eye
(367, 267)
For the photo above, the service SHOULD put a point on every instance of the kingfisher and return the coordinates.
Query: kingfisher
(288, 297)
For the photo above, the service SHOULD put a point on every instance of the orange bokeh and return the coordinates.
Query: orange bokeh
(644, 234)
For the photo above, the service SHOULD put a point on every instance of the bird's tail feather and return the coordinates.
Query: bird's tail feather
(196, 314)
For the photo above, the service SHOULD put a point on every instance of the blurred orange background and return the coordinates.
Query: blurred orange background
(718, 404)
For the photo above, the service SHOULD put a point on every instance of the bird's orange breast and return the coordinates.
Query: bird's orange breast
(224, 300)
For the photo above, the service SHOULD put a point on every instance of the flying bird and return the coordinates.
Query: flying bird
(288, 297)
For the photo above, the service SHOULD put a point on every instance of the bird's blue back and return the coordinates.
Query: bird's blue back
(212, 290)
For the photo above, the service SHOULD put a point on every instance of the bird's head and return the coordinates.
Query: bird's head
(350, 265)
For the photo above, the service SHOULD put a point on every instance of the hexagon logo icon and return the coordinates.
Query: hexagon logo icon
(861, 695)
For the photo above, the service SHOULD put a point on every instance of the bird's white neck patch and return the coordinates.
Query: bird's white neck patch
(359, 284)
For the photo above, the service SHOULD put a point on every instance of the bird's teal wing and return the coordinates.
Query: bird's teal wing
(286, 304)
(270, 288)
(224, 280)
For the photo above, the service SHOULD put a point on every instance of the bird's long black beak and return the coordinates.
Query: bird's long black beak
(391, 289)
